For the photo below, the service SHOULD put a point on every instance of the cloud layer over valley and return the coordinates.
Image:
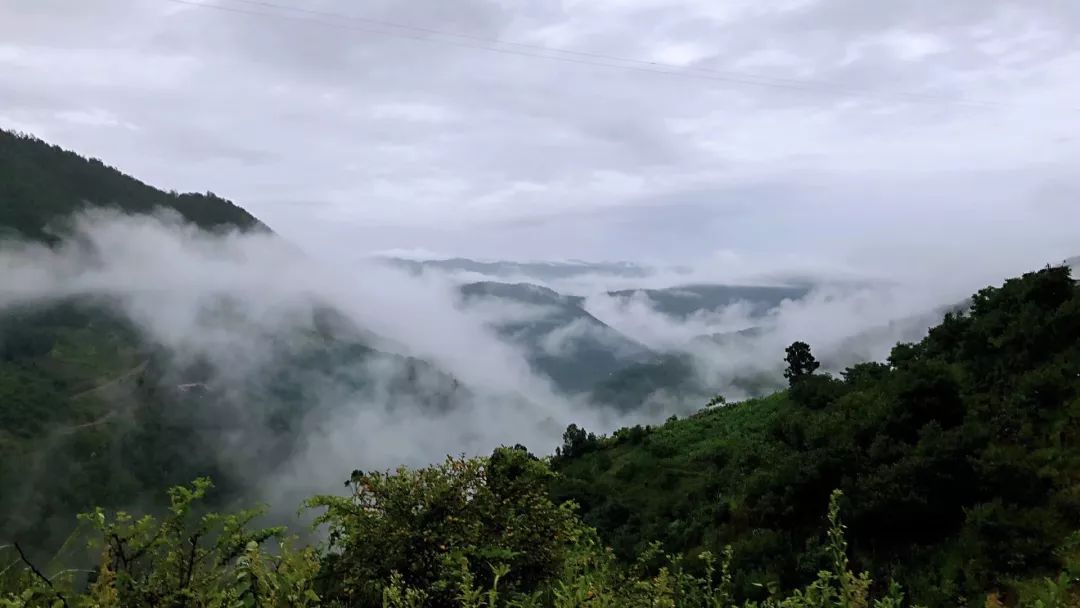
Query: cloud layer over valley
(402, 367)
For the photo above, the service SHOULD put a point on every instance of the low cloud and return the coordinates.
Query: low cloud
(256, 315)
(247, 305)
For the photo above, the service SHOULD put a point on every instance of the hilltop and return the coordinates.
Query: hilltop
(957, 458)
(42, 185)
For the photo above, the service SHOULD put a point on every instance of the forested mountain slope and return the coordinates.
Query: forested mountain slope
(959, 458)
(42, 183)
(75, 377)
(92, 411)
(560, 338)
(685, 300)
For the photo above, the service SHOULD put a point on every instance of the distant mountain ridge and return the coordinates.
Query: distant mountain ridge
(561, 339)
(684, 300)
(535, 270)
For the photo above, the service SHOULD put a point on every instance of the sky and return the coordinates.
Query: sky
(923, 136)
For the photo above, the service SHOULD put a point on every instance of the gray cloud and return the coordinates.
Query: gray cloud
(809, 125)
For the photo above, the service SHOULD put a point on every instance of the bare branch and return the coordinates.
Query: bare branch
(39, 574)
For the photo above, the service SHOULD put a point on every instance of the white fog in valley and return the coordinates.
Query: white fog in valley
(234, 300)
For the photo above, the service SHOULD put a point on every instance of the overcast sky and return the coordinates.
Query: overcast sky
(917, 133)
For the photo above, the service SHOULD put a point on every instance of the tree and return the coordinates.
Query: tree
(430, 527)
(801, 363)
(576, 441)
(187, 557)
(716, 401)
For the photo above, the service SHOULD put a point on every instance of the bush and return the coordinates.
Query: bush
(429, 527)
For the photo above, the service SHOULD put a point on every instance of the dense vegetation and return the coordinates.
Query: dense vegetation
(77, 409)
(42, 184)
(954, 463)
(470, 533)
(91, 414)
(958, 458)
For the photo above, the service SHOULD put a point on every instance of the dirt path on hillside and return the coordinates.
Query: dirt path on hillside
(138, 369)
(115, 383)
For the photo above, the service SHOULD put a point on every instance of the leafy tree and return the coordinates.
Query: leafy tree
(424, 526)
(957, 458)
(801, 363)
(181, 559)
(576, 441)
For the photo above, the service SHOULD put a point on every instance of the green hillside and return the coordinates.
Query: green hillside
(684, 300)
(958, 459)
(955, 464)
(75, 378)
(41, 184)
(91, 413)
(947, 476)
(590, 351)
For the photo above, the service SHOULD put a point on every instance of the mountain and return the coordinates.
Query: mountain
(959, 451)
(729, 338)
(671, 382)
(541, 271)
(41, 184)
(946, 476)
(685, 300)
(92, 411)
(560, 338)
(581, 353)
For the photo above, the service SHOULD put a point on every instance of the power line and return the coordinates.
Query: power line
(736, 77)
(575, 57)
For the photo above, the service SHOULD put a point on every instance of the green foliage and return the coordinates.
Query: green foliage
(576, 441)
(427, 525)
(41, 185)
(216, 561)
(800, 362)
(182, 559)
(62, 364)
(958, 458)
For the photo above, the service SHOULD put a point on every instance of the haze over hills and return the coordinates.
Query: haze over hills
(685, 300)
(239, 318)
(128, 363)
(539, 304)
(147, 338)
(505, 269)
(560, 338)
(156, 337)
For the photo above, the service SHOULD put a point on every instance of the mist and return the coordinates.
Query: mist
(441, 379)
(236, 301)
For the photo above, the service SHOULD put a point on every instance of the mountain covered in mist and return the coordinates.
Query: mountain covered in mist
(175, 337)
(684, 300)
(93, 408)
(109, 391)
(506, 269)
(560, 338)
(956, 457)
(944, 475)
